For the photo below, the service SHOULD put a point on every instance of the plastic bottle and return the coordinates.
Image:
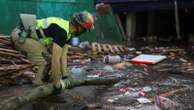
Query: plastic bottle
(112, 59)
(75, 41)
(77, 72)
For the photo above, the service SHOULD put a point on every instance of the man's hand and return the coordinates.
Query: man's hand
(56, 83)
(59, 87)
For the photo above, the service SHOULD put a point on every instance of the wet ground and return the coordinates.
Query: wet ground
(165, 80)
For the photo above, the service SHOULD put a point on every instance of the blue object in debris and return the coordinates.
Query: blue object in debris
(75, 41)
(76, 72)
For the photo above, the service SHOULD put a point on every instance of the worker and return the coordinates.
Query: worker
(50, 38)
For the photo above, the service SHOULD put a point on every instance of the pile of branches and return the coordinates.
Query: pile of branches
(13, 64)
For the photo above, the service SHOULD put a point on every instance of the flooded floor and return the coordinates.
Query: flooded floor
(166, 85)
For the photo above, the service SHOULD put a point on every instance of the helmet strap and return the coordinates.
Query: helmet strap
(77, 25)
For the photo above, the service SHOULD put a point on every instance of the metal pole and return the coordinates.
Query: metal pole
(177, 24)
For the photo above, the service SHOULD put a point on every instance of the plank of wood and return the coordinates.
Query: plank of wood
(25, 60)
(5, 41)
(9, 50)
(11, 54)
(105, 47)
(99, 48)
(17, 102)
(94, 47)
(121, 48)
(116, 49)
(170, 93)
(15, 68)
(111, 49)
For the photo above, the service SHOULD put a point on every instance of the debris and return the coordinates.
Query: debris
(12, 63)
(107, 48)
(131, 49)
(183, 60)
(108, 68)
(165, 103)
(141, 94)
(138, 52)
(112, 59)
(147, 89)
(29, 74)
(86, 61)
(167, 94)
(111, 100)
(140, 80)
(76, 72)
(143, 100)
(84, 45)
(93, 76)
(122, 65)
(148, 59)
(75, 41)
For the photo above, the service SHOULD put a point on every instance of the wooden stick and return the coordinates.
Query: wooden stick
(94, 47)
(121, 48)
(104, 47)
(11, 54)
(9, 50)
(111, 49)
(14, 69)
(99, 48)
(17, 102)
(170, 93)
(116, 49)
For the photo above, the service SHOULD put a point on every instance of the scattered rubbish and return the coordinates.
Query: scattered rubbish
(111, 100)
(148, 59)
(138, 52)
(76, 72)
(112, 59)
(93, 76)
(84, 45)
(86, 61)
(76, 61)
(131, 49)
(13, 64)
(108, 68)
(135, 94)
(29, 74)
(107, 48)
(165, 103)
(147, 89)
(141, 94)
(75, 41)
(123, 90)
(143, 100)
(183, 60)
(141, 79)
(170, 93)
(122, 65)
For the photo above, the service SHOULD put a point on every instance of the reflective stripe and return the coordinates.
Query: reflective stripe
(45, 23)
(42, 24)
(42, 33)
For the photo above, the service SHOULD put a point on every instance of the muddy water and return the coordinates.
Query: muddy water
(75, 99)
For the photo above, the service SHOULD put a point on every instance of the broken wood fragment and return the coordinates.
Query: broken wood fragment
(11, 54)
(111, 49)
(17, 102)
(9, 50)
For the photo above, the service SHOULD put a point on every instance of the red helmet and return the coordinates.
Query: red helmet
(85, 20)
